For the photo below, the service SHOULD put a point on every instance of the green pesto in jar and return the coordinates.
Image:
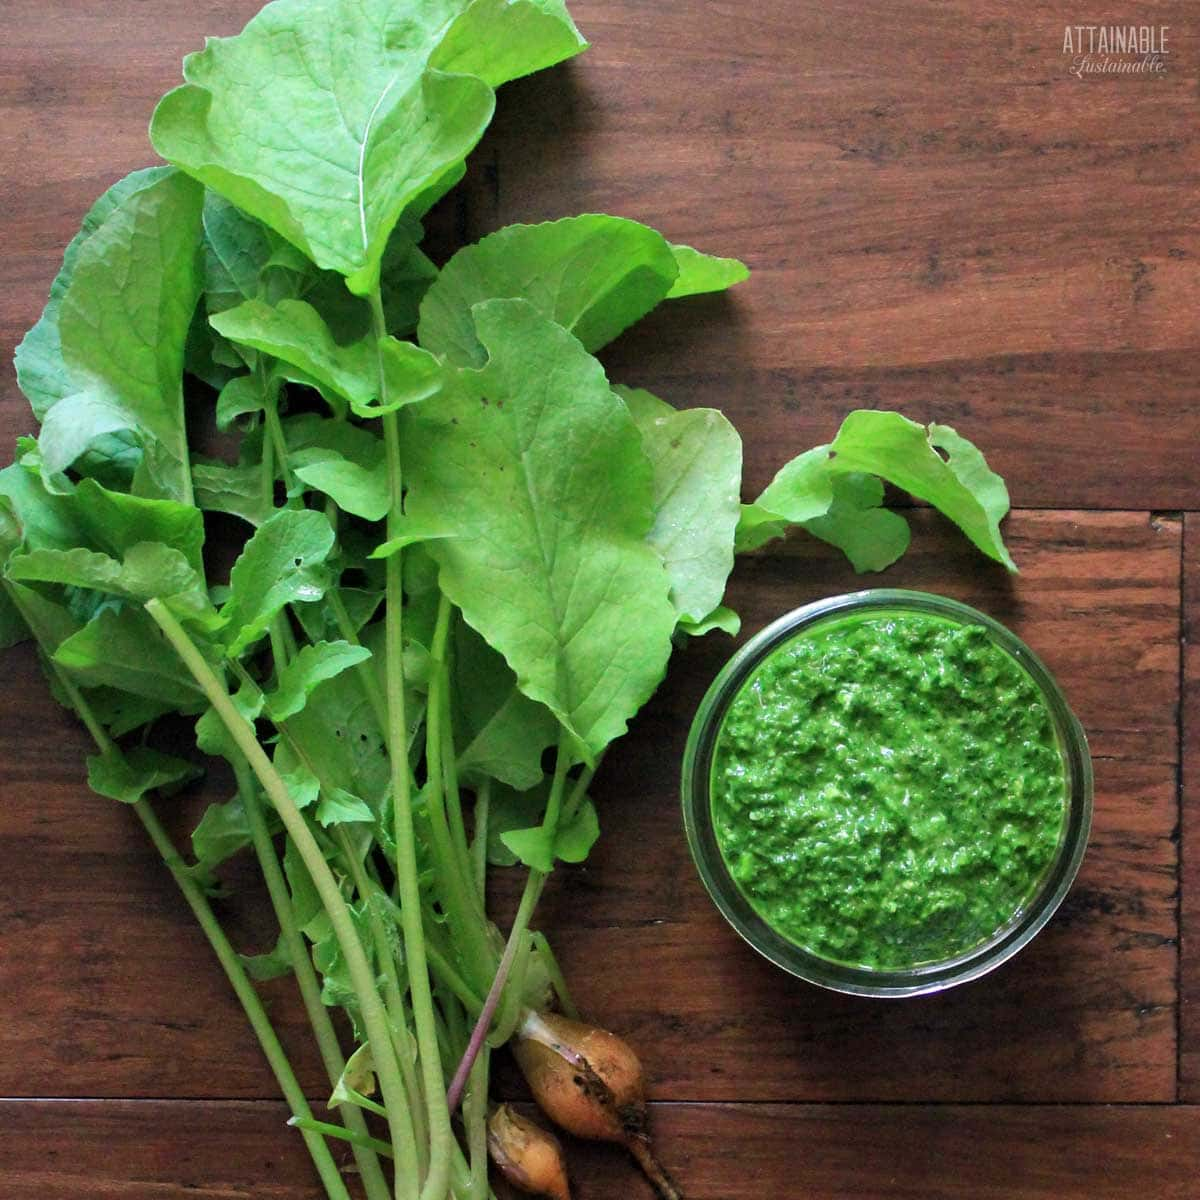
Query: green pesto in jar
(887, 789)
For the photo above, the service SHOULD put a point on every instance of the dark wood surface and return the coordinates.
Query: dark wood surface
(941, 219)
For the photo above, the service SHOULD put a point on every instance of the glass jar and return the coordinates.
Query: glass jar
(1023, 924)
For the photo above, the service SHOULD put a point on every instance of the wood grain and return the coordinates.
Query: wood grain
(231, 1151)
(939, 217)
(1189, 982)
(78, 82)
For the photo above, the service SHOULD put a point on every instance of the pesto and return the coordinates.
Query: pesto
(887, 789)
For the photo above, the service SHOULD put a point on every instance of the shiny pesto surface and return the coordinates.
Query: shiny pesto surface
(887, 789)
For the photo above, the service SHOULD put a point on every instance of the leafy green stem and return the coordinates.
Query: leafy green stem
(516, 938)
(361, 976)
(475, 1119)
(364, 672)
(440, 698)
(306, 979)
(542, 948)
(440, 1134)
(274, 429)
(529, 899)
(226, 955)
(452, 979)
(346, 1135)
(267, 474)
(483, 799)
(331, 1177)
(368, 891)
(458, 892)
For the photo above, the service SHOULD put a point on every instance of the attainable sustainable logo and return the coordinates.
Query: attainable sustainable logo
(1106, 50)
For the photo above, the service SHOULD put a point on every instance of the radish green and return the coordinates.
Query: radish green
(462, 555)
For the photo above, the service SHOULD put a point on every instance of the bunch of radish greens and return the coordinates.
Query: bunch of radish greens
(464, 555)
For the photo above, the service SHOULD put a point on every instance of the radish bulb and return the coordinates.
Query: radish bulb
(589, 1082)
(527, 1155)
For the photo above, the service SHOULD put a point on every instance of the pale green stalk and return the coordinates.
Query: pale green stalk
(475, 1119)
(363, 981)
(306, 978)
(542, 949)
(366, 888)
(508, 981)
(364, 670)
(267, 476)
(441, 1136)
(457, 891)
(483, 799)
(226, 955)
(274, 430)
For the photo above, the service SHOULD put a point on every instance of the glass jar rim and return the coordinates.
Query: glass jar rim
(793, 958)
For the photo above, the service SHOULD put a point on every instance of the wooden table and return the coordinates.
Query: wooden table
(940, 218)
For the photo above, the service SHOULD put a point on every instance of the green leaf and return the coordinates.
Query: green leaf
(202, 351)
(125, 649)
(697, 460)
(542, 469)
(116, 522)
(49, 621)
(341, 740)
(276, 963)
(576, 838)
(302, 785)
(511, 810)
(211, 734)
(350, 132)
(281, 564)
(502, 731)
(801, 491)
(222, 832)
(407, 274)
(310, 668)
(236, 251)
(41, 372)
(411, 532)
(957, 482)
(242, 395)
(341, 807)
(593, 275)
(42, 519)
(357, 1080)
(359, 485)
(340, 459)
(149, 569)
(499, 40)
(121, 712)
(12, 625)
(871, 537)
(296, 333)
(537, 849)
(410, 375)
(128, 775)
(704, 273)
(722, 618)
(509, 746)
(123, 324)
(234, 490)
(533, 846)
(319, 622)
(306, 900)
